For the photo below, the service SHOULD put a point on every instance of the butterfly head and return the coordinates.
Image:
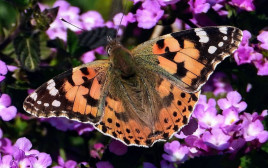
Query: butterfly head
(121, 58)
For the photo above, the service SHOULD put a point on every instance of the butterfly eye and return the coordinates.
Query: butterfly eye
(109, 48)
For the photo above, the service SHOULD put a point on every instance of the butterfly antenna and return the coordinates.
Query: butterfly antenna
(71, 24)
(124, 11)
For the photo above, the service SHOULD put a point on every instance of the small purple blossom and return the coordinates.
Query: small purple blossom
(6, 161)
(175, 152)
(216, 139)
(42, 160)
(165, 164)
(218, 84)
(262, 37)
(230, 117)
(97, 150)
(253, 128)
(65, 124)
(117, 148)
(262, 67)
(7, 112)
(58, 28)
(244, 4)
(149, 15)
(92, 19)
(3, 70)
(148, 165)
(67, 164)
(104, 164)
(206, 113)
(199, 6)
(129, 18)
(232, 100)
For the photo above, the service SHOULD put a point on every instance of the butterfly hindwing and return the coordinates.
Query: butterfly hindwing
(188, 58)
(75, 94)
(153, 110)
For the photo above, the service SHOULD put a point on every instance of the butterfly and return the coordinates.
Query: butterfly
(140, 96)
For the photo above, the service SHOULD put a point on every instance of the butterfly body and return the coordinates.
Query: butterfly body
(143, 95)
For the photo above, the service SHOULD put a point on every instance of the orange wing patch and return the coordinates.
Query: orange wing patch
(75, 94)
(178, 107)
(117, 123)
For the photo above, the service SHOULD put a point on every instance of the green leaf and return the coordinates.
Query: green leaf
(265, 147)
(27, 50)
(72, 42)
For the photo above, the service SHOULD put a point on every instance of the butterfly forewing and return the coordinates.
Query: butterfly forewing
(188, 58)
(75, 94)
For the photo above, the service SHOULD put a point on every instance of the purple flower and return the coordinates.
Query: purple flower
(82, 128)
(253, 128)
(41, 160)
(196, 143)
(7, 112)
(175, 152)
(148, 165)
(92, 19)
(237, 144)
(263, 39)
(206, 113)
(232, 100)
(199, 6)
(149, 15)
(3, 70)
(22, 148)
(244, 4)
(97, 150)
(117, 148)
(246, 37)
(6, 161)
(104, 164)
(67, 164)
(60, 123)
(65, 124)
(71, 14)
(230, 116)
(262, 67)
(244, 54)
(129, 18)
(219, 9)
(218, 84)
(88, 57)
(168, 2)
(216, 139)
(165, 164)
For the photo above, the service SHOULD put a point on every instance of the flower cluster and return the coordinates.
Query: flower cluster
(21, 155)
(249, 53)
(224, 132)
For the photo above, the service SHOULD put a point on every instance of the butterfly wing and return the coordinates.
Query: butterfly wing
(188, 58)
(76, 94)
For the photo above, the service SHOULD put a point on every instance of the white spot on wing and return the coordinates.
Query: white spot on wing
(225, 38)
(46, 104)
(202, 35)
(212, 49)
(220, 44)
(223, 30)
(53, 92)
(51, 87)
(34, 96)
(56, 103)
(39, 102)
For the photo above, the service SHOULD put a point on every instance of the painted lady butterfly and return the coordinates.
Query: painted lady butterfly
(139, 96)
